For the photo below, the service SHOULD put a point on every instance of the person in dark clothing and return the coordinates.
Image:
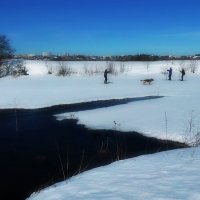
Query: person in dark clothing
(106, 76)
(182, 74)
(170, 73)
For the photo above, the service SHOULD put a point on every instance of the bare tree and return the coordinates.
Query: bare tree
(98, 70)
(182, 64)
(6, 51)
(13, 67)
(122, 68)
(111, 67)
(49, 67)
(9, 67)
(193, 66)
(192, 132)
(6, 68)
(19, 69)
(147, 65)
(64, 70)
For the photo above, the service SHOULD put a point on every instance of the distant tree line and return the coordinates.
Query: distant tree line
(125, 58)
(6, 51)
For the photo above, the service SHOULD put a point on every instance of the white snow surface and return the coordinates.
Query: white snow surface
(162, 176)
(151, 117)
(42, 90)
(165, 118)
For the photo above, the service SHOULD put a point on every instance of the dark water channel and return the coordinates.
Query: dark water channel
(36, 150)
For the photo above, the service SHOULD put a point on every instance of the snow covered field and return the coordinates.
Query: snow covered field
(41, 90)
(166, 118)
(180, 102)
(163, 176)
(176, 116)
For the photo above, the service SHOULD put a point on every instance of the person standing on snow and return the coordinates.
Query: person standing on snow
(106, 75)
(170, 73)
(182, 74)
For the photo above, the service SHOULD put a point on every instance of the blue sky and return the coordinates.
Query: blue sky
(102, 27)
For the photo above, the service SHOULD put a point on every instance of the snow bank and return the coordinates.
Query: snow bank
(167, 176)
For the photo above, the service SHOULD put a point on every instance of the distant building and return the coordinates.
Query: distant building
(30, 55)
(196, 57)
(46, 54)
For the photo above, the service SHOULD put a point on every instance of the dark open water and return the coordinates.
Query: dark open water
(36, 150)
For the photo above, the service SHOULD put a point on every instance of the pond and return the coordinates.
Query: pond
(36, 150)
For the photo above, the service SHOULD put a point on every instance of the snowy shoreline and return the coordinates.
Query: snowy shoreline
(90, 105)
(168, 176)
